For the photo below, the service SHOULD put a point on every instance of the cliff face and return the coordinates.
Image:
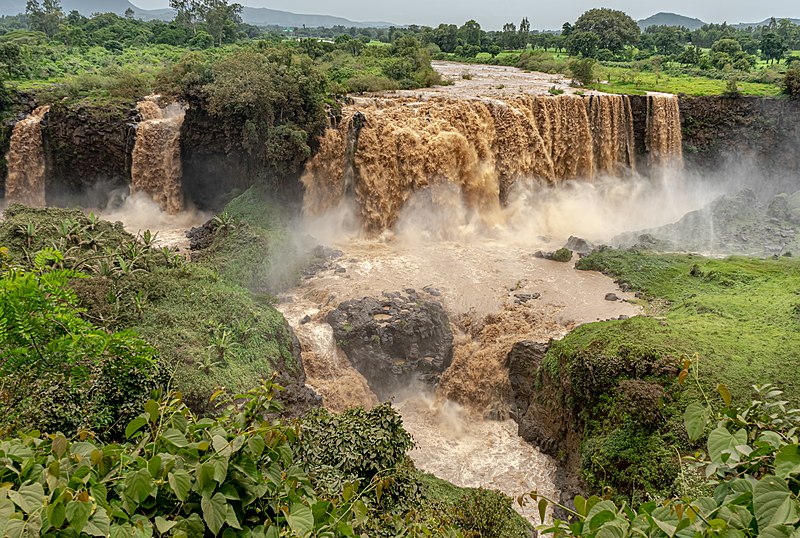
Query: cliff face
(747, 133)
(216, 167)
(542, 406)
(87, 150)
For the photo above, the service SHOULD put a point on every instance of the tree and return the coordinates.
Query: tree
(129, 14)
(45, 17)
(582, 70)
(524, 32)
(221, 19)
(187, 12)
(471, 33)
(509, 38)
(585, 44)
(791, 83)
(446, 37)
(566, 29)
(614, 29)
(727, 46)
(10, 58)
(772, 46)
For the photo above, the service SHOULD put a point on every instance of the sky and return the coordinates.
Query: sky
(492, 14)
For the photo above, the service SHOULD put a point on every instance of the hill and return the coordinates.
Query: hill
(670, 19)
(765, 22)
(250, 15)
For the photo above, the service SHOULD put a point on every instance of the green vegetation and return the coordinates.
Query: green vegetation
(58, 370)
(179, 475)
(739, 315)
(750, 464)
(208, 330)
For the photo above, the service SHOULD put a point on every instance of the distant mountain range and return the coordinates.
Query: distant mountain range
(251, 15)
(673, 19)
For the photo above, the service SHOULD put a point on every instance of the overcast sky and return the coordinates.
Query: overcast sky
(491, 14)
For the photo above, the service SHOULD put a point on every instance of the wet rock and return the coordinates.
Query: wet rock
(778, 207)
(201, 237)
(394, 341)
(326, 253)
(612, 297)
(579, 245)
(432, 291)
(522, 298)
(537, 424)
(561, 255)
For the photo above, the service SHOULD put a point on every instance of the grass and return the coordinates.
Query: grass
(742, 315)
(628, 81)
(209, 329)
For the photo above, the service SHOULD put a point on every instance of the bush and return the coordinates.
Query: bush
(60, 373)
(181, 476)
(791, 83)
(484, 514)
(582, 70)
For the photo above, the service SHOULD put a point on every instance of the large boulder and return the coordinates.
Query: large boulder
(395, 341)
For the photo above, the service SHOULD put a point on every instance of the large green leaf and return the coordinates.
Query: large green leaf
(301, 520)
(78, 514)
(215, 511)
(776, 531)
(29, 497)
(99, 524)
(138, 485)
(175, 437)
(787, 461)
(720, 440)
(164, 526)
(181, 483)
(695, 419)
(135, 425)
(773, 503)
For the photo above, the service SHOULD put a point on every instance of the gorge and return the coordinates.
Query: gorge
(436, 200)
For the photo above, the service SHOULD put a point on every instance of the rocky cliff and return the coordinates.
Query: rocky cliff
(748, 135)
(87, 150)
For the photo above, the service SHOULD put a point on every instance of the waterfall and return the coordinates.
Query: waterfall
(26, 163)
(156, 162)
(663, 139)
(384, 150)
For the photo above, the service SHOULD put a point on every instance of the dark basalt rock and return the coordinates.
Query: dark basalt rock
(581, 246)
(538, 424)
(395, 340)
(201, 237)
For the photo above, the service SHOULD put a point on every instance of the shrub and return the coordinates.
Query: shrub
(180, 476)
(582, 70)
(61, 373)
(791, 82)
(483, 514)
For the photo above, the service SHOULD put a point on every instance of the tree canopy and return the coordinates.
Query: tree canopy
(614, 29)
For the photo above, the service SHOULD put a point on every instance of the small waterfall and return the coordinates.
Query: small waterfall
(26, 163)
(663, 139)
(156, 163)
(385, 150)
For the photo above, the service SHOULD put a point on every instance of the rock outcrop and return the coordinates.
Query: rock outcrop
(395, 341)
(540, 406)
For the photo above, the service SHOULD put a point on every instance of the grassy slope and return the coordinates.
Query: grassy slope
(740, 315)
(184, 311)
